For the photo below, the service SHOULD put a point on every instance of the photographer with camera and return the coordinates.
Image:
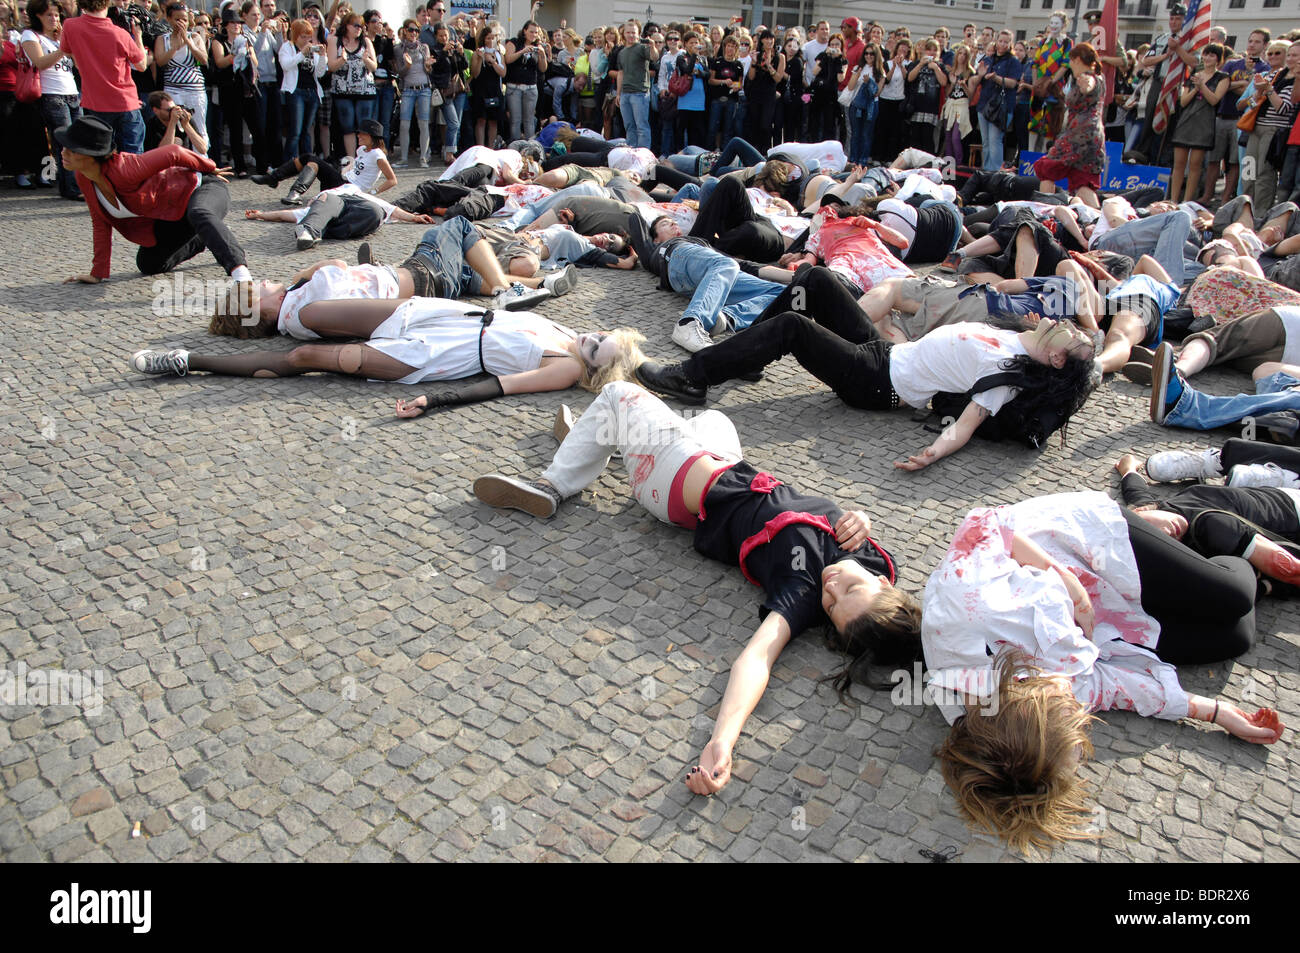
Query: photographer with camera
(172, 125)
(526, 62)
(179, 55)
(236, 79)
(105, 57)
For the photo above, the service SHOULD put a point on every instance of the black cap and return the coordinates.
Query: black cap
(372, 128)
(230, 15)
(1092, 16)
(87, 136)
(1177, 10)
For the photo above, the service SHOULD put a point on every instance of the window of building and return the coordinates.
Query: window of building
(1237, 4)
(1272, 4)
(1020, 36)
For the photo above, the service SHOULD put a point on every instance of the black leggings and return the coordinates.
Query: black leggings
(728, 222)
(836, 303)
(203, 226)
(857, 372)
(1205, 607)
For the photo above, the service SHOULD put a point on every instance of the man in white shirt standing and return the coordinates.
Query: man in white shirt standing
(814, 47)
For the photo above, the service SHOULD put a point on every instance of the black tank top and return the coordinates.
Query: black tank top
(524, 69)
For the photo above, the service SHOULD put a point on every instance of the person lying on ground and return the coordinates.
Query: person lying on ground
(1051, 365)
(369, 171)
(690, 472)
(1253, 517)
(411, 341)
(1056, 607)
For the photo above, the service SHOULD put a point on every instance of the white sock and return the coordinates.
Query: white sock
(241, 273)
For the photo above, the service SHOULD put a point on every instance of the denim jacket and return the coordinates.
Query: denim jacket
(868, 97)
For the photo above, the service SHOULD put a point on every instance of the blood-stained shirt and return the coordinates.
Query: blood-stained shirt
(332, 283)
(853, 248)
(980, 601)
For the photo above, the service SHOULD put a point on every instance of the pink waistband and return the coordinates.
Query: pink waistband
(678, 513)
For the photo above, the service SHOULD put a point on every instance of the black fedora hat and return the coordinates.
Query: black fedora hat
(89, 136)
(372, 128)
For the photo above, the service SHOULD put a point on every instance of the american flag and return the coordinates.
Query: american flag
(1194, 35)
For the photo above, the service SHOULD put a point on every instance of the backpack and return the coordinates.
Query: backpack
(1023, 419)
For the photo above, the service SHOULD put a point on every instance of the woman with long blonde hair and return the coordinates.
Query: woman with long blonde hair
(955, 120)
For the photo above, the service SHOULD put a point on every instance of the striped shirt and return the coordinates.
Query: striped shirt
(181, 71)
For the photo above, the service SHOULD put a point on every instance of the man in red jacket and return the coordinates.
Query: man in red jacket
(169, 201)
(105, 55)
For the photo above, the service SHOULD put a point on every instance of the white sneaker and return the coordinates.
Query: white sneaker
(306, 239)
(1262, 474)
(725, 324)
(519, 298)
(175, 362)
(561, 282)
(691, 336)
(1170, 466)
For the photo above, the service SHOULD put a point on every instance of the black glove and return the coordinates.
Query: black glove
(465, 393)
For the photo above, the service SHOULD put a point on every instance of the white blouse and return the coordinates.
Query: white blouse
(980, 600)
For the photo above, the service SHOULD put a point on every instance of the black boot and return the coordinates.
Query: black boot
(300, 185)
(366, 255)
(671, 381)
(276, 176)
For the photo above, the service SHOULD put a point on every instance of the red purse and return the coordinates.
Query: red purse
(28, 79)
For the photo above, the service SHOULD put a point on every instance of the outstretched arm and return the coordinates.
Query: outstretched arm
(312, 269)
(1261, 728)
(749, 676)
(955, 436)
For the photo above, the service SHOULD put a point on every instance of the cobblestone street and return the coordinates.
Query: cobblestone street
(316, 644)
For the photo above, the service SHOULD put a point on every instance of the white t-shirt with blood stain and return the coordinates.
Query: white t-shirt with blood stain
(951, 360)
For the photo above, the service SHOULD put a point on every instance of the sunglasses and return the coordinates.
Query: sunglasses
(674, 37)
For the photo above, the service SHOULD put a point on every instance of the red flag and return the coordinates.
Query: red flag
(1105, 40)
(1194, 35)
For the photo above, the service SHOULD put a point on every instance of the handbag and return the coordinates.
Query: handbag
(680, 84)
(492, 102)
(27, 88)
(1247, 121)
(435, 97)
(847, 95)
(993, 109)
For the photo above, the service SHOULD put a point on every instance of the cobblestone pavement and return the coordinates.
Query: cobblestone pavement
(316, 644)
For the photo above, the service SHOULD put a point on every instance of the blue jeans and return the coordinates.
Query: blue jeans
(716, 282)
(667, 136)
(349, 112)
(635, 108)
(1164, 237)
(128, 129)
(737, 150)
(416, 101)
(385, 96)
(722, 120)
(688, 192)
(521, 101)
(444, 248)
(863, 132)
(299, 117)
(58, 110)
(991, 136)
(452, 110)
(1197, 411)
